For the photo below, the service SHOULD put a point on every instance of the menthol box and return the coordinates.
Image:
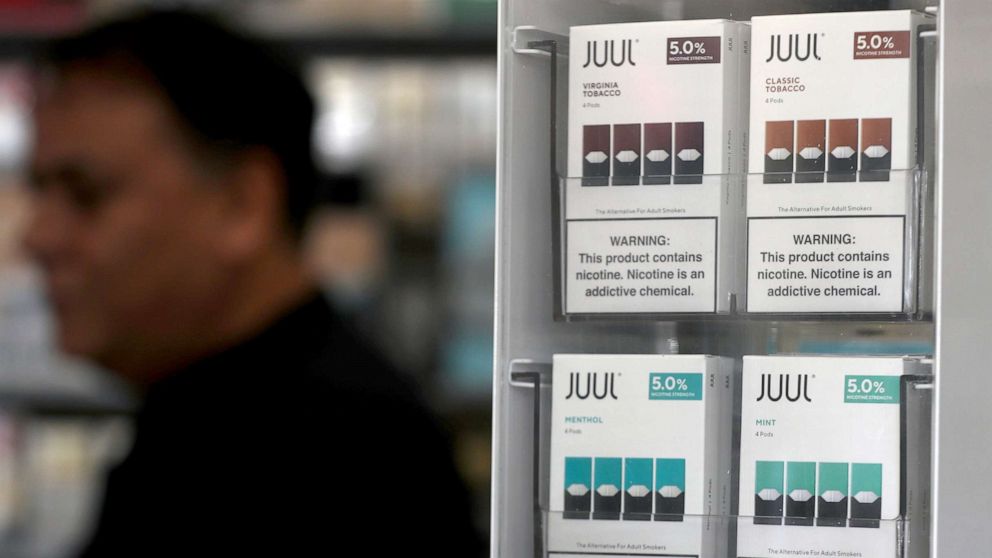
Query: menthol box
(640, 453)
(832, 161)
(656, 125)
(824, 457)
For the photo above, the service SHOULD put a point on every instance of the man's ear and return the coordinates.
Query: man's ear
(254, 200)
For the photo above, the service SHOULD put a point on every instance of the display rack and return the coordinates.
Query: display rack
(946, 312)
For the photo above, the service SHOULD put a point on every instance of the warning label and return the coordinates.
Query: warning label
(641, 266)
(825, 264)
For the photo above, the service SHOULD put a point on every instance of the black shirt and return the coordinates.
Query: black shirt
(300, 441)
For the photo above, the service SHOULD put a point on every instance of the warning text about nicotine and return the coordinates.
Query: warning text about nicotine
(639, 266)
(838, 264)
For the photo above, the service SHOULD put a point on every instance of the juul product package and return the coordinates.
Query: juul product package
(824, 457)
(640, 451)
(655, 125)
(833, 148)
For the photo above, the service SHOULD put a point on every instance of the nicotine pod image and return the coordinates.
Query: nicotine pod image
(578, 487)
(811, 145)
(689, 154)
(866, 490)
(843, 159)
(778, 152)
(670, 495)
(607, 474)
(800, 505)
(825, 458)
(596, 155)
(626, 154)
(832, 495)
(638, 486)
(640, 454)
(658, 153)
(876, 149)
(769, 482)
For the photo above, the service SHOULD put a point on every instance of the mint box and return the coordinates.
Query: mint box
(823, 456)
(640, 451)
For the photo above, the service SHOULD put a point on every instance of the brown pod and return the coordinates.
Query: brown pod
(876, 149)
(626, 154)
(842, 160)
(658, 153)
(596, 155)
(811, 150)
(778, 151)
(688, 153)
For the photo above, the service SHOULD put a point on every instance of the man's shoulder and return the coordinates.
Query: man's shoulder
(340, 361)
(329, 370)
(304, 415)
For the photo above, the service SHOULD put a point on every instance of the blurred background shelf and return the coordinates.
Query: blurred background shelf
(457, 44)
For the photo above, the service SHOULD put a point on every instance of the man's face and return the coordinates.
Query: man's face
(123, 220)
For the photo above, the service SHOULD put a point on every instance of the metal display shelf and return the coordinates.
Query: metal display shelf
(955, 230)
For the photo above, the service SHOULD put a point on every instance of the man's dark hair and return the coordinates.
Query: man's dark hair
(231, 93)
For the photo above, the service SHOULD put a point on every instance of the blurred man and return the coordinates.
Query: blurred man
(173, 175)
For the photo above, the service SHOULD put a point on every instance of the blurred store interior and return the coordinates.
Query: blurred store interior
(403, 239)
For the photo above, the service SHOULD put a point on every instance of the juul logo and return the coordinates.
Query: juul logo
(787, 47)
(601, 53)
(599, 386)
(791, 387)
